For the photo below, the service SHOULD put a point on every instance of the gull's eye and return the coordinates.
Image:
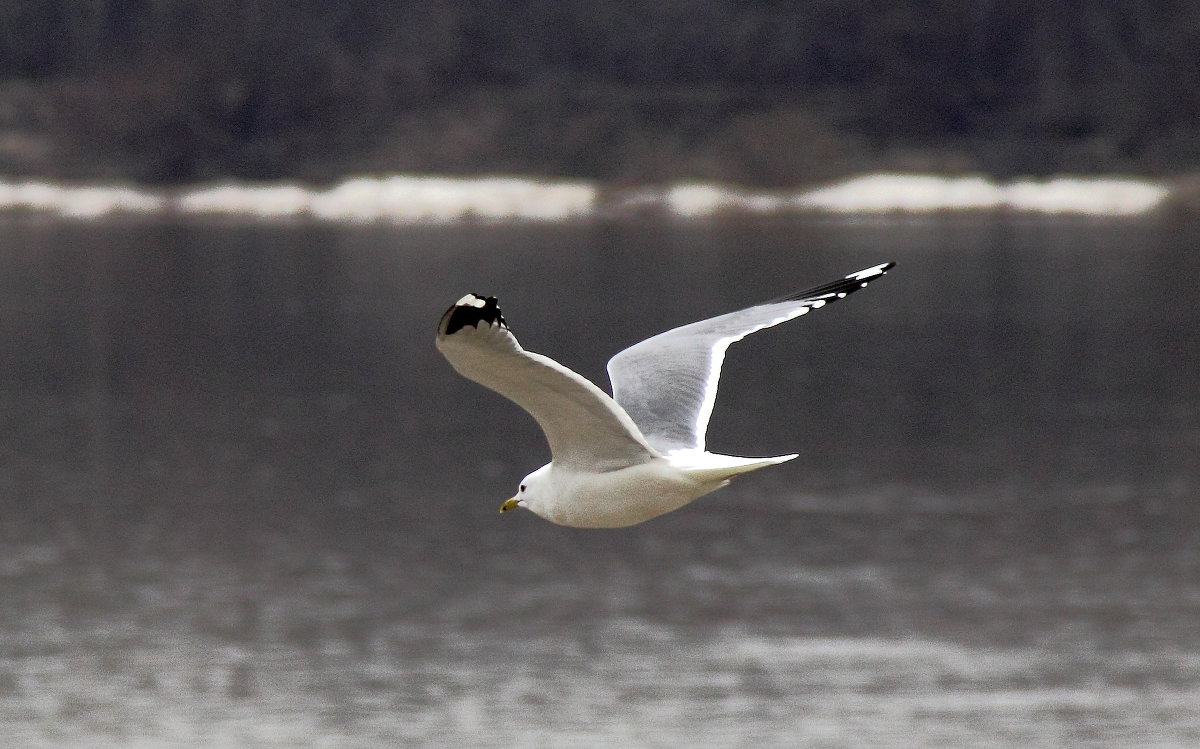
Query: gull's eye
(522, 487)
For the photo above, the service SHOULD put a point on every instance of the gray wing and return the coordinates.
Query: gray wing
(668, 383)
(586, 429)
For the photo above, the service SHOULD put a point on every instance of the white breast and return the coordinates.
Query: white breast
(619, 498)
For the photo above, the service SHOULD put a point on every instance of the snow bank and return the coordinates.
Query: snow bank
(700, 200)
(909, 193)
(84, 202)
(266, 201)
(441, 199)
(402, 199)
(1097, 197)
(417, 199)
(902, 193)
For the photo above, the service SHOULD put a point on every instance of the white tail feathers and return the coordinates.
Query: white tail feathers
(706, 466)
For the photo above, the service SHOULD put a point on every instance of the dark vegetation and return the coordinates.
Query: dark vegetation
(764, 92)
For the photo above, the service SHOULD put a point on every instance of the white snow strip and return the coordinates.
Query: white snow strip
(1097, 197)
(409, 199)
(904, 193)
(265, 201)
(82, 202)
(704, 200)
(908, 193)
(426, 199)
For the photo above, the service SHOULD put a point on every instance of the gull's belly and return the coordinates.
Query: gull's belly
(625, 497)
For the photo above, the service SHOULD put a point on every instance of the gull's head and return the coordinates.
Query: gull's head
(531, 493)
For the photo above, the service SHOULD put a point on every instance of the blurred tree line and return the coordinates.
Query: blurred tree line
(766, 92)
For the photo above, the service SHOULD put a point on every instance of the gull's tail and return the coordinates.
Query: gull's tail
(706, 466)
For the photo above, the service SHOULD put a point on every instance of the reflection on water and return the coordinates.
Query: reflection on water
(246, 503)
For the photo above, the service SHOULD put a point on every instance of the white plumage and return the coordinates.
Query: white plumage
(621, 460)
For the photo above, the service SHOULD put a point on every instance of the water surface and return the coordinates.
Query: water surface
(244, 501)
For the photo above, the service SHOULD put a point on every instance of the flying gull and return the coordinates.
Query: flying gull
(624, 459)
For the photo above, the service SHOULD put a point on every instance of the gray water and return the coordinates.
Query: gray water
(245, 502)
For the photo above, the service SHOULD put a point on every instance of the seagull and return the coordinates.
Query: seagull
(621, 460)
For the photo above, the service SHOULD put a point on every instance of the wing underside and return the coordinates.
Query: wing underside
(668, 383)
(586, 429)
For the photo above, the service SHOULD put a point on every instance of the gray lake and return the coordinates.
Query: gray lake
(244, 502)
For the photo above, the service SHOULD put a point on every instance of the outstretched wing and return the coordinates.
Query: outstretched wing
(586, 429)
(668, 383)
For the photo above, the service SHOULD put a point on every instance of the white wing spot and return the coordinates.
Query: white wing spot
(818, 304)
(868, 273)
(470, 300)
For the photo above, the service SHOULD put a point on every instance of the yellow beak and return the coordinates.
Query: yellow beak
(509, 504)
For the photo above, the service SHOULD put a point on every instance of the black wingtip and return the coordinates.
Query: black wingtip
(840, 288)
(471, 310)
